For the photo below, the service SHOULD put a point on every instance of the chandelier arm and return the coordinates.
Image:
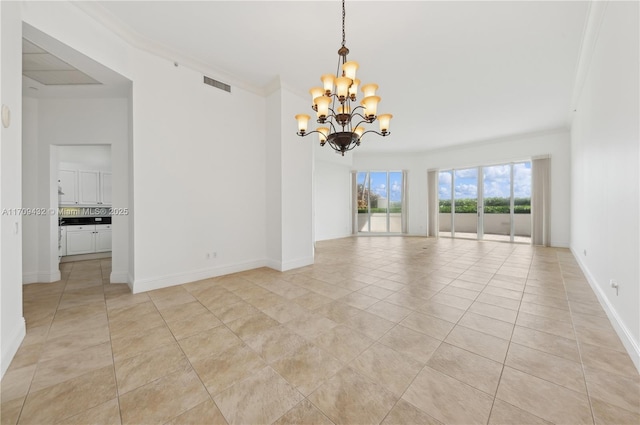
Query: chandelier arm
(306, 133)
(376, 132)
(364, 120)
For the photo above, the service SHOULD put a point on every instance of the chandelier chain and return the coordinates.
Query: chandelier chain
(343, 16)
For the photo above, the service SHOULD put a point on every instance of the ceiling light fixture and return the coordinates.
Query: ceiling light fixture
(333, 101)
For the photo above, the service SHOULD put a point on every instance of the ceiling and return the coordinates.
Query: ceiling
(450, 72)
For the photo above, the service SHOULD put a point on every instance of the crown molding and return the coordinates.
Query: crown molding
(98, 13)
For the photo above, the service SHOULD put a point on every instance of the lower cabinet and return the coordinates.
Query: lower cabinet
(87, 239)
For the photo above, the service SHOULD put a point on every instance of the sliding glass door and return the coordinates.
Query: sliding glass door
(491, 202)
(379, 201)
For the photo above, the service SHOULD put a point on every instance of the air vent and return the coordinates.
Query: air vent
(217, 84)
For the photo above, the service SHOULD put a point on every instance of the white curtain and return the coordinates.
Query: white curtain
(540, 201)
(432, 203)
(354, 203)
(404, 202)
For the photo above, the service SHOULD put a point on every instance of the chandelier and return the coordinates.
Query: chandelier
(342, 125)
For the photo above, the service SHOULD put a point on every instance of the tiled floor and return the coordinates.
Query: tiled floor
(380, 330)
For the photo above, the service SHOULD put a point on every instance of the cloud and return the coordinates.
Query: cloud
(466, 191)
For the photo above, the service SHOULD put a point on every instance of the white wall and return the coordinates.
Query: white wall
(555, 144)
(332, 198)
(12, 326)
(605, 210)
(199, 172)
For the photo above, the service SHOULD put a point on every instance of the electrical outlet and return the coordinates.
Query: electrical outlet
(614, 285)
(585, 252)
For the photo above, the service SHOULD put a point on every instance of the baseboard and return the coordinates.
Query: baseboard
(623, 332)
(149, 284)
(331, 237)
(11, 345)
(294, 264)
(560, 244)
(119, 277)
(40, 277)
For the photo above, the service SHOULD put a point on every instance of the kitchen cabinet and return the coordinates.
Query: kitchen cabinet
(87, 239)
(103, 237)
(68, 185)
(86, 187)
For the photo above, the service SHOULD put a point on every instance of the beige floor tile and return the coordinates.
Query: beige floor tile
(545, 311)
(376, 292)
(134, 325)
(343, 343)
(607, 414)
(544, 399)
(286, 312)
(171, 296)
(543, 324)
(428, 325)
(73, 341)
(228, 313)
(26, 355)
(546, 366)
(414, 344)
(16, 383)
(261, 398)
(487, 325)
(274, 343)
(358, 300)
(233, 365)
(104, 414)
(460, 292)
(10, 411)
(131, 311)
(419, 291)
(204, 413)
(310, 325)
(303, 413)
(599, 337)
(388, 368)
(249, 326)
(485, 345)
(447, 399)
(549, 343)
(267, 301)
(133, 372)
(621, 391)
(337, 312)
(179, 312)
(307, 368)
(74, 327)
(406, 300)
(388, 311)
(311, 301)
(504, 413)
(369, 324)
(162, 399)
(404, 413)
(606, 360)
(452, 301)
(64, 368)
(70, 397)
(349, 398)
(193, 324)
(472, 369)
(133, 344)
(494, 311)
(209, 343)
(441, 311)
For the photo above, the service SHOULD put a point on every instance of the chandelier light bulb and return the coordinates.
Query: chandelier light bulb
(316, 92)
(303, 122)
(370, 104)
(353, 89)
(359, 131)
(349, 69)
(342, 87)
(327, 81)
(369, 89)
(323, 133)
(323, 103)
(384, 120)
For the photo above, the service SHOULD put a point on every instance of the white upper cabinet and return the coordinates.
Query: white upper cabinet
(89, 187)
(85, 187)
(68, 185)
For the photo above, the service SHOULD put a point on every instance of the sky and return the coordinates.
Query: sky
(379, 184)
(496, 182)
